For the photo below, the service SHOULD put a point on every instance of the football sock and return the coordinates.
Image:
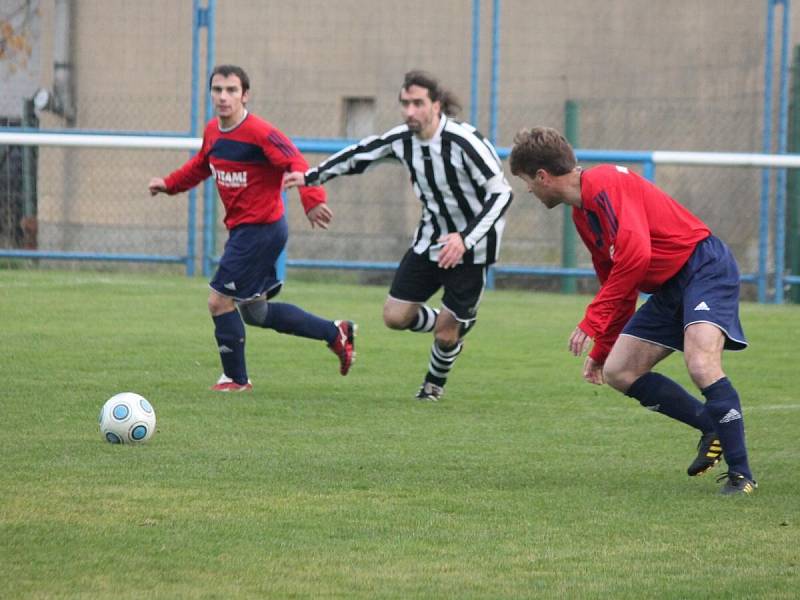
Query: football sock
(661, 394)
(288, 318)
(229, 331)
(426, 319)
(725, 408)
(441, 361)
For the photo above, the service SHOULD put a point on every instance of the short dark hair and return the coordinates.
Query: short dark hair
(541, 148)
(227, 70)
(449, 102)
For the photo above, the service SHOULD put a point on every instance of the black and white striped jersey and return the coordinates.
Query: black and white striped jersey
(456, 174)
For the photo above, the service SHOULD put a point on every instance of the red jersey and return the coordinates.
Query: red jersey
(638, 236)
(248, 163)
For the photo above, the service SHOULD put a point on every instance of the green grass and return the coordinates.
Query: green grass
(524, 482)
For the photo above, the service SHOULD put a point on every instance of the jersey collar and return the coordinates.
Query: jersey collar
(235, 125)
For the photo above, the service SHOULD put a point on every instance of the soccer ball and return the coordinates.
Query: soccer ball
(127, 418)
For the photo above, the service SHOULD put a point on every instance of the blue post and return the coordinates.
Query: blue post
(493, 99)
(763, 229)
(191, 217)
(495, 68)
(649, 171)
(208, 17)
(780, 181)
(211, 43)
(476, 38)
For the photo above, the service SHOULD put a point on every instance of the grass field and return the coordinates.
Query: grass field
(524, 482)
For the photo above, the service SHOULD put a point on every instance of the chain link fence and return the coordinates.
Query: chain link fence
(681, 75)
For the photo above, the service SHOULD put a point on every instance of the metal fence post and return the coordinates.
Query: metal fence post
(493, 100)
(780, 181)
(209, 198)
(572, 133)
(763, 237)
(793, 180)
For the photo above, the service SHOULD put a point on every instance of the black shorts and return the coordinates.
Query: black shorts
(418, 278)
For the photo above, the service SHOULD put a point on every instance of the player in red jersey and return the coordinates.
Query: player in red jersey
(248, 157)
(641, 239)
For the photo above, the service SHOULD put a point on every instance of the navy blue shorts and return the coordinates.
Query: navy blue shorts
(418, 278)
(247, 267)
(705, 290)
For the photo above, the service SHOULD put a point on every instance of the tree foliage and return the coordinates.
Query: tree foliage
(15, 34)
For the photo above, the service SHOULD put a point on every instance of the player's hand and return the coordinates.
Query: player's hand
(156, 186)
(593, 371)
(294, 179)
(452, 250)
(320, 216)
(579, 342)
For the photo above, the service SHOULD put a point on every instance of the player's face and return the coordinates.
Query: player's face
(228, 98)
(539, 186)
(419, 113)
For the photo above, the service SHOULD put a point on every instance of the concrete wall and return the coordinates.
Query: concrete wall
(680, 75)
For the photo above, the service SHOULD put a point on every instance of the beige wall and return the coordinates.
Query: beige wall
(682, 75)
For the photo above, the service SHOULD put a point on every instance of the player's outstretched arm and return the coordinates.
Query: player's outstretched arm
(294, 179)
(320, 216)
(157, 186)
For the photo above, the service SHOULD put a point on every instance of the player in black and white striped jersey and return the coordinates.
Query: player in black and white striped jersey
(458, 178)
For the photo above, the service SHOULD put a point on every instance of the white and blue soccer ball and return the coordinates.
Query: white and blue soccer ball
(127, 418)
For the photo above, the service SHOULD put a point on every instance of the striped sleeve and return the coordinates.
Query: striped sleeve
(499, 197)
(359, 157)
(483, 164)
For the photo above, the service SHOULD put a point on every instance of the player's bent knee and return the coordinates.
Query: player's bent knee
(703, 369)
(619, 379)
(254, 313)
(621, 384)
(218, 304)
(392, 321)
(395, 317)
(446, 342)
(447, 335)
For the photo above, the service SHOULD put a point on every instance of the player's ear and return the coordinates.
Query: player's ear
(245, 97)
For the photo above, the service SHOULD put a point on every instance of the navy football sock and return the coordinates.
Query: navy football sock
(661, 394)
(288, 318)
(725, 408)
(229, 331)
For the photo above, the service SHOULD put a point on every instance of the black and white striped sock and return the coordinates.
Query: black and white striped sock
(441, 361)
(426, 319)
